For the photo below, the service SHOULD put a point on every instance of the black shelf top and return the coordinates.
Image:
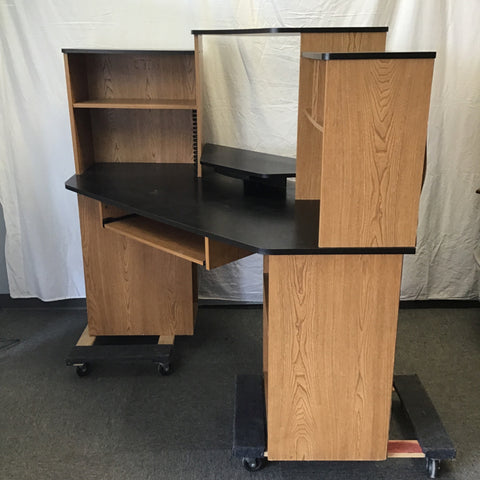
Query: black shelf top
(239, 162)
(275, 30)
(213, 206)
(133, 52)
(367, 55)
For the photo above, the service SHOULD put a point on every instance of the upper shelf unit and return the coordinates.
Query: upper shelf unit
(132, 106)
(367, 165)
(312, 39)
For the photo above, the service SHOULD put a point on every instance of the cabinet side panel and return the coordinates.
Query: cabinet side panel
(141, 76)
(132, 289)
(331, 335)
(151, 136)
(305, 188)
(375, 131)
(79, 121)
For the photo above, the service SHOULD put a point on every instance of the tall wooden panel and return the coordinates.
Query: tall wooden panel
(374, 135)
(308, 175)
(331, 340)
(132, 288)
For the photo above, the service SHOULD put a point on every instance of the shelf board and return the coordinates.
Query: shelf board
(241, 163)
(135, 103)
(163, 237)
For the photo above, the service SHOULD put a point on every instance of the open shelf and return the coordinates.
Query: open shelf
(138, 103)
(163, 237)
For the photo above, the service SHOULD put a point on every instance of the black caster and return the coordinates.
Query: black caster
(83, 369)
(433, 467)
(164, 369)
(254, 464)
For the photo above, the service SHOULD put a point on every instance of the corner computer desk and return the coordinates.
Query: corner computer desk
(333, 244)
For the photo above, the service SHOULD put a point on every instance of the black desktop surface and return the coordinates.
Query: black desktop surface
(214, 206)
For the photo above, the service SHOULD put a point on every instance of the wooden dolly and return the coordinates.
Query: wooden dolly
(432, 442)
(88, 349)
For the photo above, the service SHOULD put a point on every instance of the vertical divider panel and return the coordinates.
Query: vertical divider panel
(307, 178)
(375, 130)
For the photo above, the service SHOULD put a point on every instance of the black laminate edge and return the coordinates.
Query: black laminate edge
(133, 52)
(431, 434)
(254, 31)
(367, 55)
(249, 419)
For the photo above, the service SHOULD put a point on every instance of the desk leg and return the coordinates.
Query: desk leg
(331, 341)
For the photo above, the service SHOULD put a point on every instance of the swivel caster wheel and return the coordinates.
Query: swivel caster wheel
(164, 369)
(83, 369)
(254, 464)
(433, 467)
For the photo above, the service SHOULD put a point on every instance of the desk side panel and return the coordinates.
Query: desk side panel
(308, 176)
(331, 343)
(133, 289)
(376, 114)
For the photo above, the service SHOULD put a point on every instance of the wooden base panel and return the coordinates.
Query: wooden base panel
(331, 341)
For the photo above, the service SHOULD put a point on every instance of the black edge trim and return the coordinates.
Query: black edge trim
(133, 52)
(253, 31)
(367, 55)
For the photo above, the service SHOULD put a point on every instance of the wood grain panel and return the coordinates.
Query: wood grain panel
(152, 136)
(375, 130)
(332, 329)
(132, 289)
(219, 253)
(79, 122)
(142, 76)
(305, 189)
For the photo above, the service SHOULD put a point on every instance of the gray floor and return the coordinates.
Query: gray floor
(126, 422)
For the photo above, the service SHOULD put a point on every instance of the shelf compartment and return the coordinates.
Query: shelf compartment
(131, 75)
(163, 237)
(142, 136)
(138, 104)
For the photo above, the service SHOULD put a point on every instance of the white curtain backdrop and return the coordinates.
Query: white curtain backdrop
(250, 98)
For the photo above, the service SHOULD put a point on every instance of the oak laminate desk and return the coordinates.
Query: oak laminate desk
(333, 245)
